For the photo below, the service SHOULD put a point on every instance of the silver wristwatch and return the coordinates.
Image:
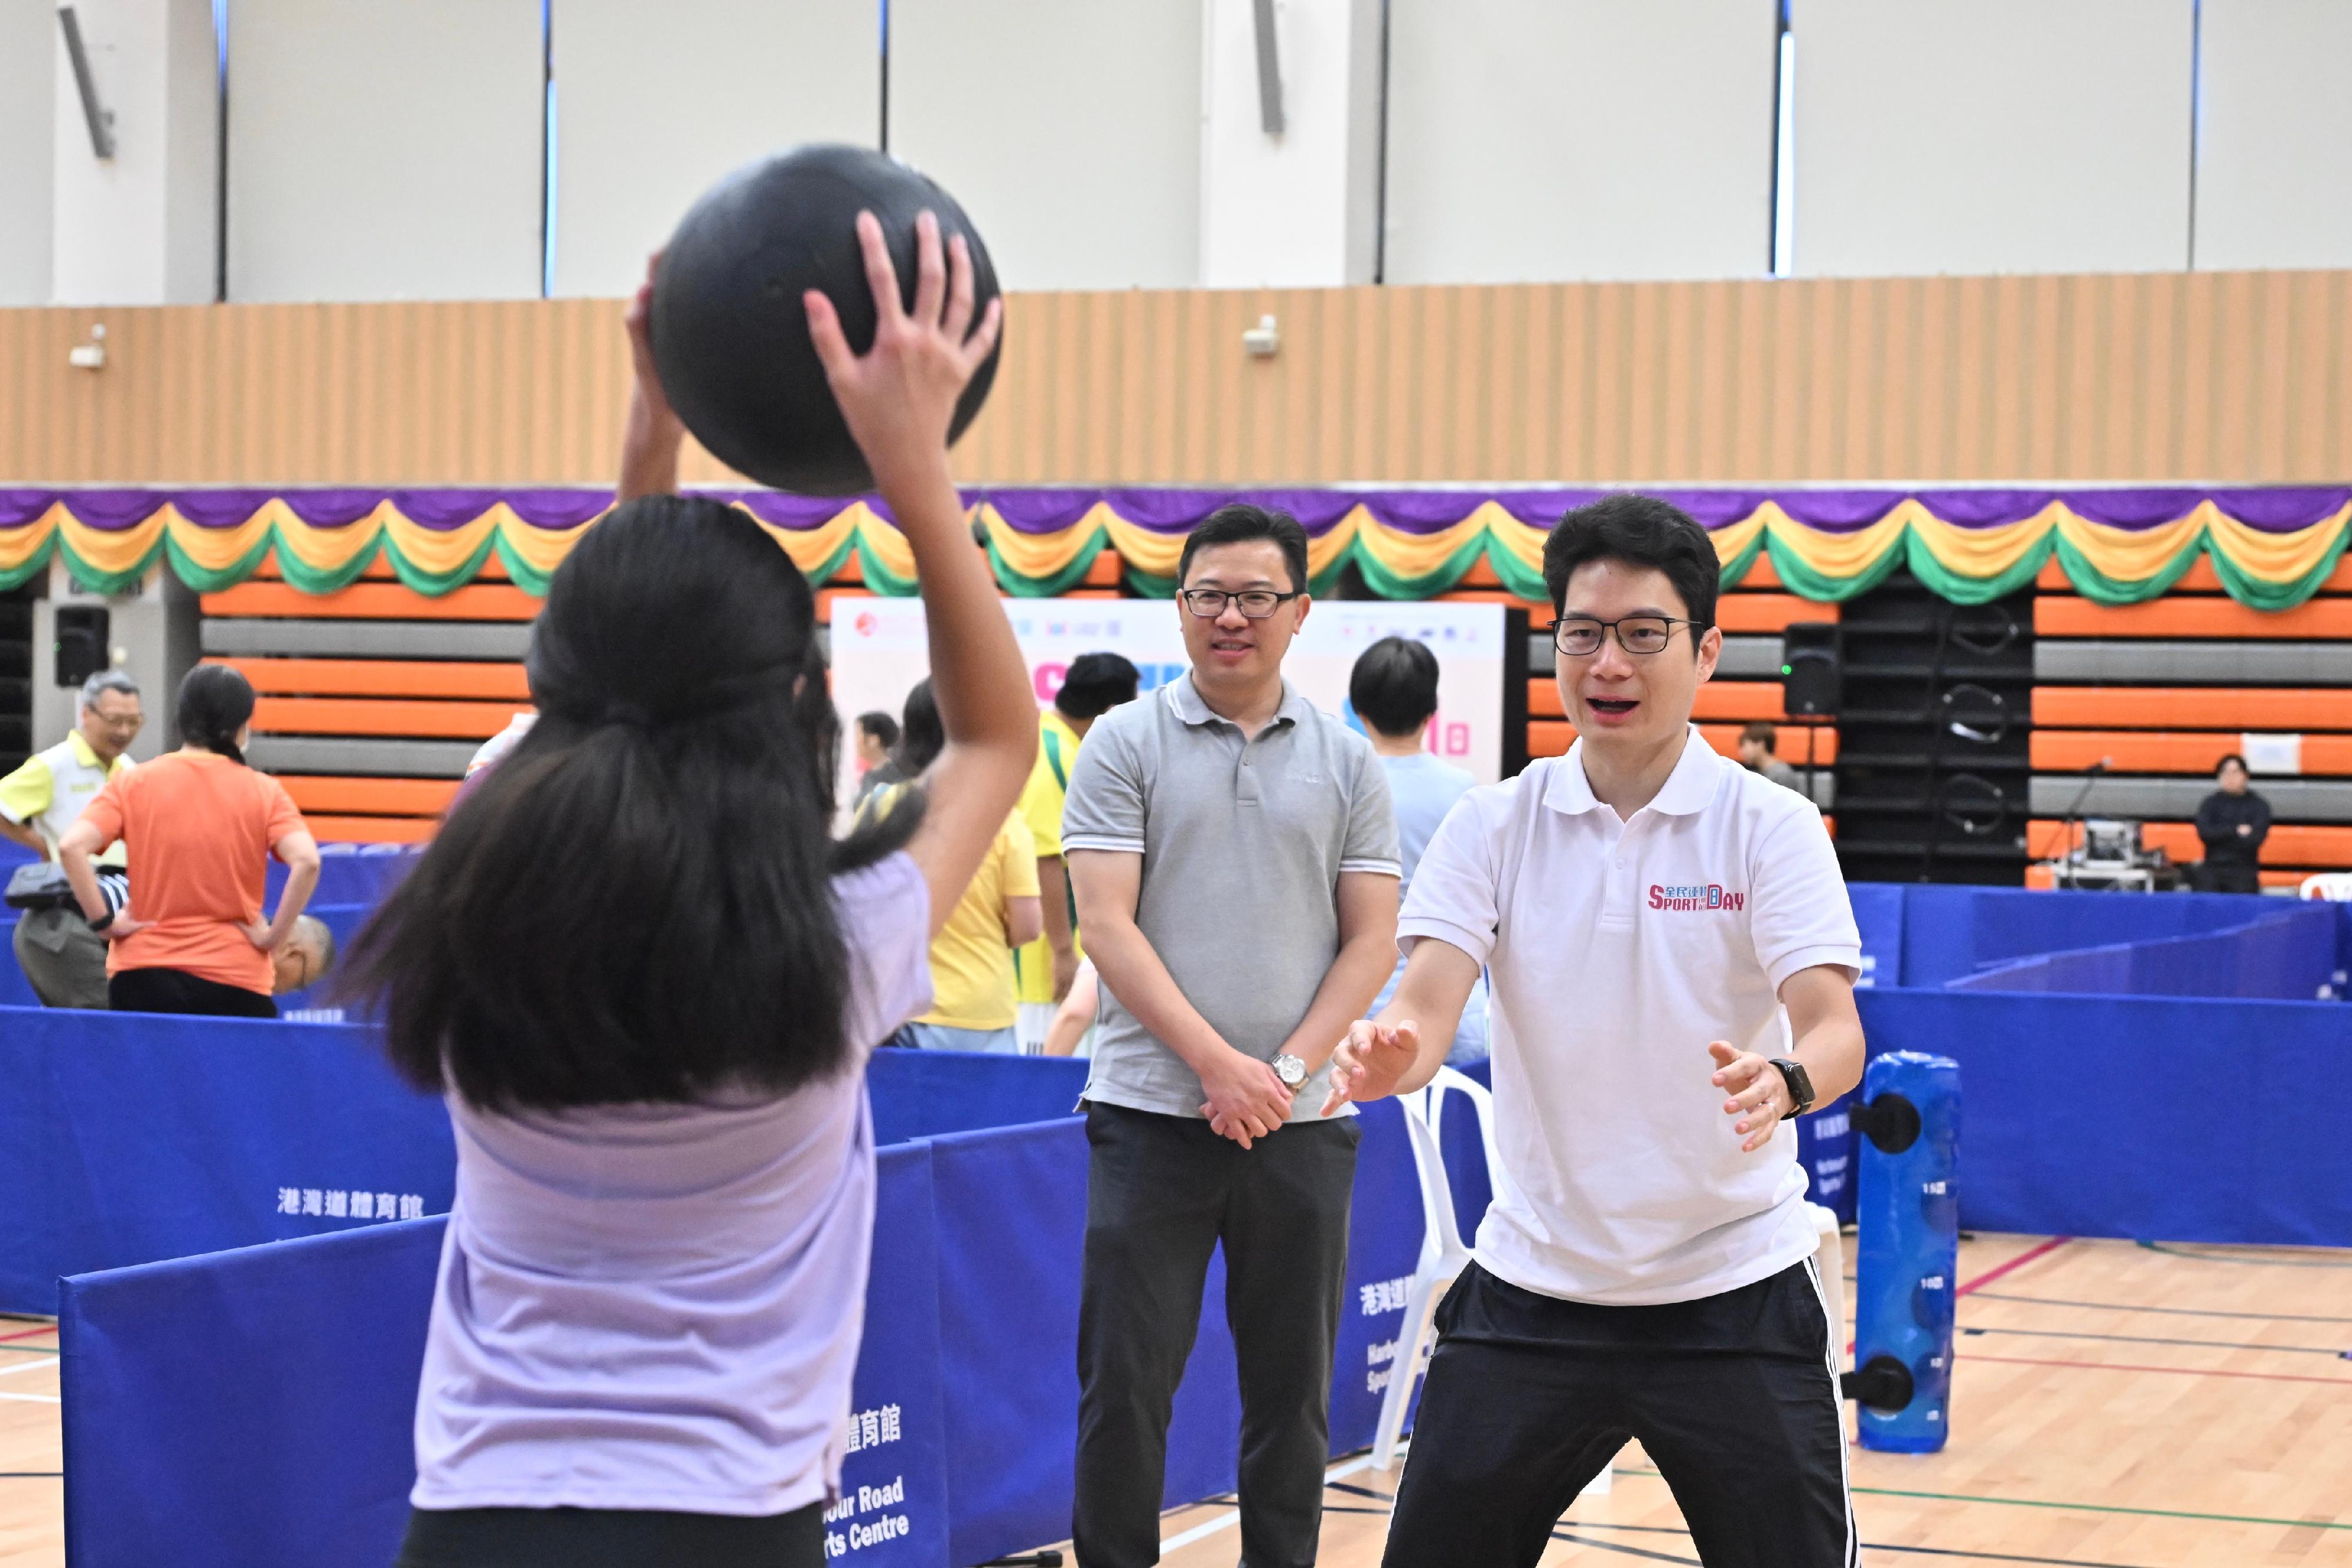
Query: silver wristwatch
(1290, 1070)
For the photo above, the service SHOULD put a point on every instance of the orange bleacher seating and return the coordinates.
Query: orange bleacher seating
(2189, 615)
(2135, 751)
(2192, 707)
(374, 600)
(352, 716)
(371, 797)
(371, 830)
(382, 678)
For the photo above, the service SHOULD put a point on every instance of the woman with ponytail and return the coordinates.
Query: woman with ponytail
(648, 979)
(200, 827)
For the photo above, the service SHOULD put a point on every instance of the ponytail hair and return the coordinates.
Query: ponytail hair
(214, 704)
(635, 906)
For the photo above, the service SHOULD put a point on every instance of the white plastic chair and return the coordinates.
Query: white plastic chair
(1444, 1254)
(2335, 886)
(1830, 1260)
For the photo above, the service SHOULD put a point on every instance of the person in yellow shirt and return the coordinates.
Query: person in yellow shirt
(62, 958)
(1093, 684)
(973, 989)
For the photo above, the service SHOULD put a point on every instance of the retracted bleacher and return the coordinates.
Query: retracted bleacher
(2163, 690)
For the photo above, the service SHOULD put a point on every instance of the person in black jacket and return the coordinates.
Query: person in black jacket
(2233, 821)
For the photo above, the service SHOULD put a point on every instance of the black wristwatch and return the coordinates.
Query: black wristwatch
(1800, 1085)
(100, 921)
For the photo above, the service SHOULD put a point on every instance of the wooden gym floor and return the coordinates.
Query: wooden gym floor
(2117, 1407)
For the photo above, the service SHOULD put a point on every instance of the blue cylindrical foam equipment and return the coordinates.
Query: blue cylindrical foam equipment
(1908, 1212)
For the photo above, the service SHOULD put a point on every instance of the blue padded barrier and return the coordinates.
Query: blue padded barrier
(924, 1093)
(347, 873)
(248, 1409)
(1012, 1397)
(1908, 1257)
(137, 1136)
(287, 1441)
(254, 1408)
(352, 874)
(2141, 1117)
(143, 1136)
(1951, 932)
(2286, 955)
(1878, 915)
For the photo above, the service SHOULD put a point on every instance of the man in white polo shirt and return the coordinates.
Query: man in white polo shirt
(1672, 958)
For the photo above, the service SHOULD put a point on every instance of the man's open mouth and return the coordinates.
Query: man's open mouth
(1612, 707)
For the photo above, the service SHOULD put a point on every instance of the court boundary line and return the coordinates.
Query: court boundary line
(2030, 1255)
(2168, 1311)
(2075, 1506)
(2152, 1339)
(2181, 1249)
(1233, 1516)
(2174, 1370)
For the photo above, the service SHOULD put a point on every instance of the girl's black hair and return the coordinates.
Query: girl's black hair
(214, 704)
(635, 906)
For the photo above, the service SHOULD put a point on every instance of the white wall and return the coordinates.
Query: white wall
(385, 149)
(2274, 170)
(1301, 209)
(1991, 136)
(1069, 131)
(139, 228)
(652, 105)
(27, 79)
(1542, 139)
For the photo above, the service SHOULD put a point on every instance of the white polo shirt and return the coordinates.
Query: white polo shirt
(1618, 950)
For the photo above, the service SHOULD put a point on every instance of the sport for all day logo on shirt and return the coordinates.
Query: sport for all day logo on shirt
(1693, 895)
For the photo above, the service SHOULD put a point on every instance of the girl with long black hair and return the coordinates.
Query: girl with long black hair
(648, 979)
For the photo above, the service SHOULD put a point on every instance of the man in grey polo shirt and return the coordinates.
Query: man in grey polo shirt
(1234, 860)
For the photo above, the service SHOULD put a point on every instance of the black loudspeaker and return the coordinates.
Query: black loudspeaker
(1810, 673)
(83, 633)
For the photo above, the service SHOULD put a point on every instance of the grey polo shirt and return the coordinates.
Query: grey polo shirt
(1243, 844)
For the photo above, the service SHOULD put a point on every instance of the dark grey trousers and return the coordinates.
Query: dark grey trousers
(1161, 1192)
(62, 958)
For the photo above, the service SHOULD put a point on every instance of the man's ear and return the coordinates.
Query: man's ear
(1710, 650)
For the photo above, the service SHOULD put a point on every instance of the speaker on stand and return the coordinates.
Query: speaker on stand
(1812, 680)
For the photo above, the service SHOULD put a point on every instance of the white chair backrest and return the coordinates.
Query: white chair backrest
(2333, 886)
(1425, 1123)
(1439, 1233)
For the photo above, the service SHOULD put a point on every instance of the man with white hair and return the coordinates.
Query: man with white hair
(60, 955)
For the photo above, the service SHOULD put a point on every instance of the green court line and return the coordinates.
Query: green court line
(2167, 1312)
(2172, 1251)
(2074, 1507)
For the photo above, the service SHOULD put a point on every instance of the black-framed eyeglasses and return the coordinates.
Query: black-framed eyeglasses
(1578, 636)
(1257, 603)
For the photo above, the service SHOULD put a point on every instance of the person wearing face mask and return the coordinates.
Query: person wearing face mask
(1234, 858)
(1671, 958)
(62, 958)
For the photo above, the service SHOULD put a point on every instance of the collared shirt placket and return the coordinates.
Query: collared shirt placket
(1617, 903)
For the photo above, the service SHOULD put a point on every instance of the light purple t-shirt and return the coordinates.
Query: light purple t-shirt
(658, 1306)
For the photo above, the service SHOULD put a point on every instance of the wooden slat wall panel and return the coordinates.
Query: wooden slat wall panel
(2218, 376)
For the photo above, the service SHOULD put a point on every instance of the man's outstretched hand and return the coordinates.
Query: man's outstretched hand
(1372, 1061)
(1754, 1092)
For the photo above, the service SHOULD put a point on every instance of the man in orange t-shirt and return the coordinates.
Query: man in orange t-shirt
(200, 827)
